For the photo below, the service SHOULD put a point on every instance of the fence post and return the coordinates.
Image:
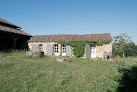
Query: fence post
(118, 57)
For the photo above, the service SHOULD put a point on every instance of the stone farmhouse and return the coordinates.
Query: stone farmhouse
(50, 46)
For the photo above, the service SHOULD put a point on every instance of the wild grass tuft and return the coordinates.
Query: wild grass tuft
(20, 73)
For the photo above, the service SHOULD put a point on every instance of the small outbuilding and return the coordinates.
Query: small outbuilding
(50, 46)
(12, 37)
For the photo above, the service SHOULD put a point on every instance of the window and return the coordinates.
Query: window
(63, 49)
(56, 48)
(40, 47)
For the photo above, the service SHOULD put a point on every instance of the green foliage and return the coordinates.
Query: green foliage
(120, 43)
(128, 83)
(123, 38)
(131, 50)
(79, 46)
(79, 50)
(20, 73)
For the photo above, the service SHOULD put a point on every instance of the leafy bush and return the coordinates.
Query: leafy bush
(132, 51)
(128, 83)
(129, 50)
(79, 50)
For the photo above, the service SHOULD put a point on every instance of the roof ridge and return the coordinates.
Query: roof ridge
(71, 34)
(9, 23)
(72, 37)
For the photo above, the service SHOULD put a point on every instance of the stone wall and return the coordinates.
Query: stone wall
(100, 50)
(44, 46)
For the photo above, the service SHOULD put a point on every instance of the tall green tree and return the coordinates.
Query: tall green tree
(120, 43)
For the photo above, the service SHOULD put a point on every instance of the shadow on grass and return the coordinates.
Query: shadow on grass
(128, 83)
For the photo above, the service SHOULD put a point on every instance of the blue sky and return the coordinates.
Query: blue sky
(42, 17)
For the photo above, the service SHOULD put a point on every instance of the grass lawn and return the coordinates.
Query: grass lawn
(20, 73)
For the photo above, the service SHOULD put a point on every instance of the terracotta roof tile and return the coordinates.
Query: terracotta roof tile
(8, 29)
(6, 22)
(69, 37)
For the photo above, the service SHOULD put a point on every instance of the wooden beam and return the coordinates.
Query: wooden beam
(15, 38)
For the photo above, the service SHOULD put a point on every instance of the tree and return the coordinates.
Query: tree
(132, 51)
(120, 43)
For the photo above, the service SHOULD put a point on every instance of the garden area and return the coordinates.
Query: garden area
(21, 73)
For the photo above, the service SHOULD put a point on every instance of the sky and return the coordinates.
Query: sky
(45, 17)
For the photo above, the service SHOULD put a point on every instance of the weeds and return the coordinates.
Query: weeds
(20, 73)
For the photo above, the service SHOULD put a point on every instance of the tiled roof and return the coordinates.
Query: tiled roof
(6, 22)
(69, 37)
(12, 30)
